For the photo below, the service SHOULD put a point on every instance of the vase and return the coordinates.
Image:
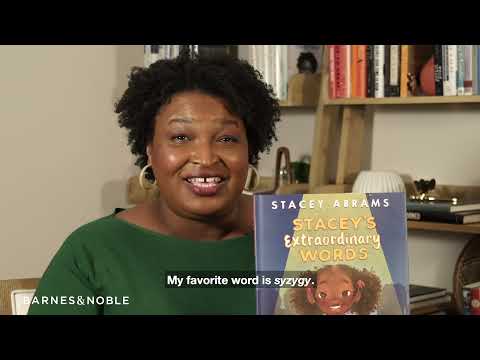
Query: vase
(378, 182)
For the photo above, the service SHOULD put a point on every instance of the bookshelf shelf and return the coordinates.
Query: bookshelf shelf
(475, 99)
(286, 104)
(434, 226)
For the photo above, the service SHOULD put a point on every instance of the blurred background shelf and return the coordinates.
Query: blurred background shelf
(436, 226)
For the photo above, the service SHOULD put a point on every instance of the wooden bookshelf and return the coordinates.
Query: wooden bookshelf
(412, 100)
(435, 226)
(286, 104)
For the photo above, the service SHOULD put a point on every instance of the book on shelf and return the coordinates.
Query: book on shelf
(404, 70)
(286, 66)
(438, 309)
(445, 206)
(335, 254)
(441, 300)
(466, 217)
(422, 292)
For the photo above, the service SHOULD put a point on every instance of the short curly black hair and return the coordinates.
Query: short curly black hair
(234, 81)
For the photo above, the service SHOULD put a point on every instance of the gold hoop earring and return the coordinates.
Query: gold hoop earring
(141, 178)
(247, 191)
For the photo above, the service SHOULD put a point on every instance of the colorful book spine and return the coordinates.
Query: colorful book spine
(340, 67)
(404, 55)
(331, 70)
(474, 69)
(362, 71)
(394, 70)
(386, 78)
(452, 69)
(478, 69)
(348, 71)
(379, 65)
(438, 69)
(354, 70)
(370, 71)
(468, 78)
(460, 73)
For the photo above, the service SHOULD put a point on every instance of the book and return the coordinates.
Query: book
(370, 71)
(394, 80)
(443, 206)
(463, 217)
(438, 69)
(336, 254)
(422, 293)
(387, 67)
(474, 70)
(362, 71)
(404, 66)
(354, 70)
(460, 70)
(444, 300)
(331, 71)
(379, 68)
(468, 78)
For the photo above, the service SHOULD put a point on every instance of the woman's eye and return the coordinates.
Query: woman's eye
(179, 138)
(346, 293)
(229, 139)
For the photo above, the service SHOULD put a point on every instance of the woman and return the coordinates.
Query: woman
(198, 124)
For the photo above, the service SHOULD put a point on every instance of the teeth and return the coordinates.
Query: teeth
(197, 179)
(202, 180)
(213, 179)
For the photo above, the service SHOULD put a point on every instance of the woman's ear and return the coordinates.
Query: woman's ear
(310, 295)
(149, 153)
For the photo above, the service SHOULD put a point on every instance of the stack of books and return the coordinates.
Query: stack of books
(462, 212)
(379, 71)
(427, 300)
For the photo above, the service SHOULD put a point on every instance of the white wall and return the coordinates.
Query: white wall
(426, 141)
(64, 159)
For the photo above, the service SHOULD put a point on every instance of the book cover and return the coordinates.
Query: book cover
(463, 217)
(442, 206)
(333, 254)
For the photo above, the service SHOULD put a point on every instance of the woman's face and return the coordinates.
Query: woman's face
(199, 155)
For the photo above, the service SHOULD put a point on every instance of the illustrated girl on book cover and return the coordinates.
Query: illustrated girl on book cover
(338, 290)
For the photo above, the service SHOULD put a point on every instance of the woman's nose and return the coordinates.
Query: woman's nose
(204, 154)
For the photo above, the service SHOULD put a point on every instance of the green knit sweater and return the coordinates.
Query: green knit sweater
(110, 266)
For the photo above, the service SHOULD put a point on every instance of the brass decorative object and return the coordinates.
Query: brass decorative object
(424, 187)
